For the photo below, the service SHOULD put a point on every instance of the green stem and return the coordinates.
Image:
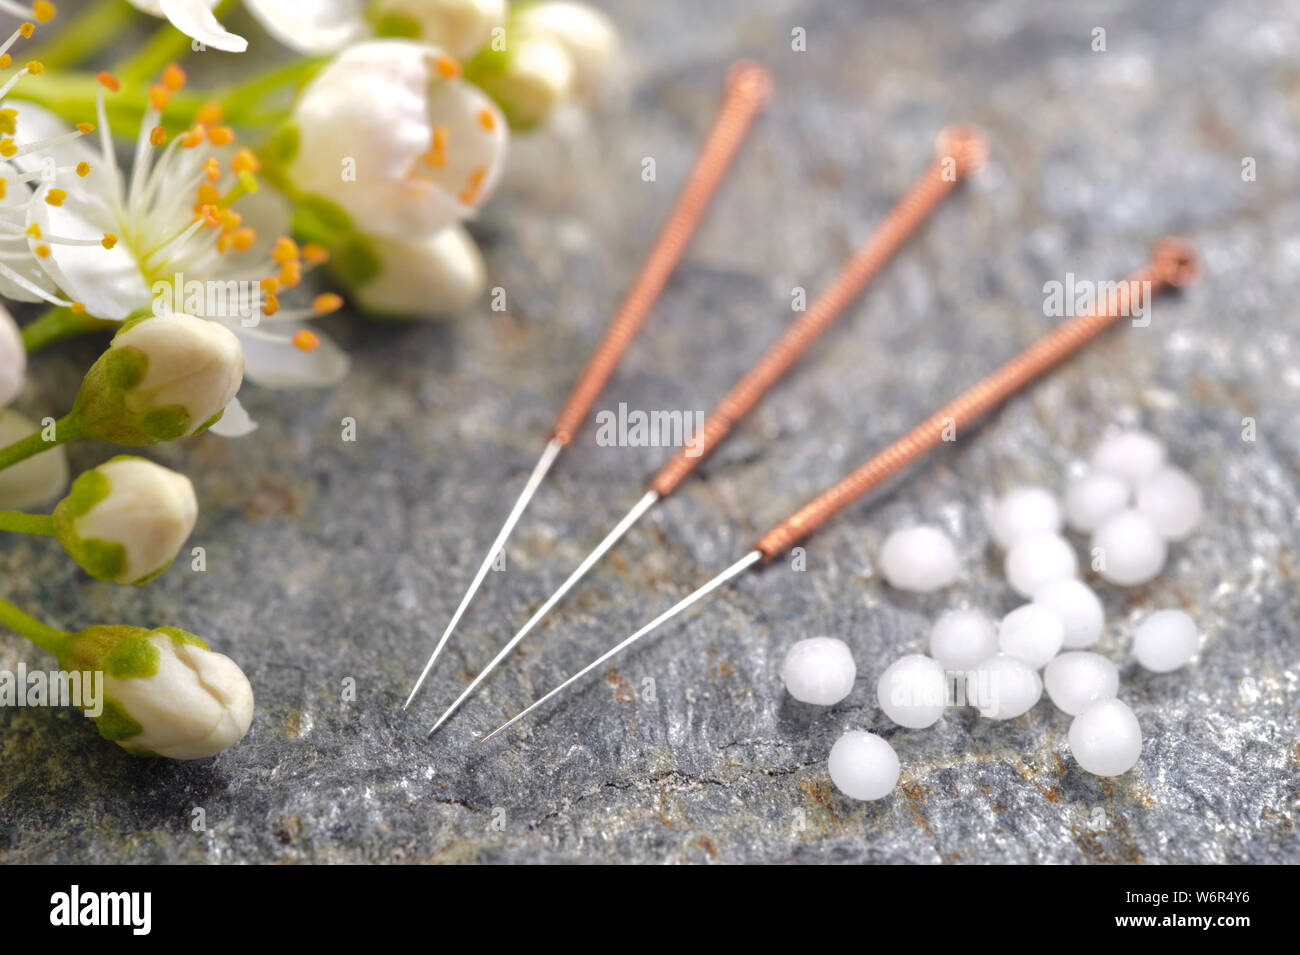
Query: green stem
(43, 635)
(20, 523)
(65, 429)
(94, 28)
(59, 323)
(167, 45)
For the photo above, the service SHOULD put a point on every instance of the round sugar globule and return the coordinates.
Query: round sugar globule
(1003, 687)
(1037, 558)
(1023, 511)
(913, 691)
(1128, 548)
(1077, 678)
(1092, 497)
(863, 766)
(920, 559)
(1079, 608)
(962, 639)
(1032, 633)
(1173, 502)
(1165, 641)
(1131, 455)
(1105, 738)
(819, 670)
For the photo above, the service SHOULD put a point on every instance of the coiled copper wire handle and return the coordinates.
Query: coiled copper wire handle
(748, 86)
(959, 150)
(1172, 265)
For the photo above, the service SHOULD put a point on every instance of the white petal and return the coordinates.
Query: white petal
(435, 276)
(194, 19)
(311, 26)
(273, 361)
(13, 358)
(235, 423)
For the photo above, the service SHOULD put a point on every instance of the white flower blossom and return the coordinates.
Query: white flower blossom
(186, 229)
(165, 692)
(390, 134)
(194, 18)
(125, 521)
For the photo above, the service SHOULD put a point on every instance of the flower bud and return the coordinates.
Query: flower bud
(458, 26)
(391, 136)
(426, 277)
(163, 377)
(586, 34)
(13, 358)
(165, 692)
(126, 520)
(528, 79)
(36, 481)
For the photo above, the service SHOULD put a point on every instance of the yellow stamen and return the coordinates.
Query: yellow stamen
(447, 67)
(313, 253)
(4, 187)
(291, 274)
(192, 137)
(159, 96)
(34, 231)
(109, 240)
(245, 161)
(209, 114)
(35, 66)
(83, 169)
(243, 239)
(27, 29)
(7, 147)
(472, 188)
(108, 81)
(437, 152)
(269, 286)
(212, 168)
(230, 219)
(487, 120)
(42, 251)
(221, 135)
(305, 340)
(173, 77)
(85, 128)
(6, 61)
(209, 213)
(8, 121)
(158, 136)
(271, 307)
(208, 194)
(77, 308)
(55, 197)
(44, 11)
(326, 303)
(286, 250)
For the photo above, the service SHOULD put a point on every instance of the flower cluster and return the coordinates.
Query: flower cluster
(196, 256)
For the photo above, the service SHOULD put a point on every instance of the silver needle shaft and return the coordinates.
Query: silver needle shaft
(553, 448)
(612, 538)
(753, 557)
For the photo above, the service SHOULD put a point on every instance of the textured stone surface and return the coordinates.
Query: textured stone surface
(329, 560)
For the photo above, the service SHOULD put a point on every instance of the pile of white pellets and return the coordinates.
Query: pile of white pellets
(1133, 505)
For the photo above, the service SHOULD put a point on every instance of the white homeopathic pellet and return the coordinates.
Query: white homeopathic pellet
(863, 766)
(1075, 679)
(1131, 455)
(1166, 640)
(819, 670)
(1173, 502)
(1003, 687)
(1130, 549)
(1022, 511)
(1037, 558)
(1033, 633)
(913, 691)
(1105, 738)
(1093, 497)
(1080, 610)
(919, 558)
(962, 639)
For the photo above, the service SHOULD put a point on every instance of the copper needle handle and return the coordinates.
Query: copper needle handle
(959, 150)
(747, 88)
(1171, 265)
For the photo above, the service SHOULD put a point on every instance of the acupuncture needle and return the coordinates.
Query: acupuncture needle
(746, 91)
(958, 151)
(1172, 265)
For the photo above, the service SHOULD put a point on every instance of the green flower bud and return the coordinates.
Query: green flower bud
(586, 34)
(458, 26)
(165, 692)
(528, 79)
(126, 520)
(163, 377)
(420, 278)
